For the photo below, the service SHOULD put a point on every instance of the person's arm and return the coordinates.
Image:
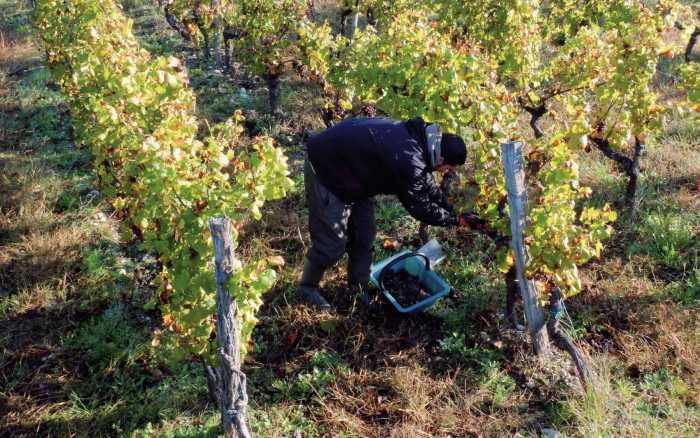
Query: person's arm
(419, 203)
(437, 195)
(419, 193)
(416, 200)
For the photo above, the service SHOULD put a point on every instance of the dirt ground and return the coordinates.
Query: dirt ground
(76, 342)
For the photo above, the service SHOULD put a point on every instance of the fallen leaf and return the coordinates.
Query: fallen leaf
(293, 337)
(276, 260)
(390, 244)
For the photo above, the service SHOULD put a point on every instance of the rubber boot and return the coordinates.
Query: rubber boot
(308, 285)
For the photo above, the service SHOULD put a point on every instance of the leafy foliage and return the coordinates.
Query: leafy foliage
(136, 114)
(195, 17)
(478, 68)
(267, 28)
(690, 76)
(413, 64)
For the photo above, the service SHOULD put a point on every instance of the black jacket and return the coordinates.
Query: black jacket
(362, 157)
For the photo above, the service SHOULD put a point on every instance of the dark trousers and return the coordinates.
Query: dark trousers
(337, 227)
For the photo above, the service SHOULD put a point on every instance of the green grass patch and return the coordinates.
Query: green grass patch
(667, 238)
(686, 291)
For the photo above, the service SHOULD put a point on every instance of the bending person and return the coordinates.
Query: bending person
(351, 162)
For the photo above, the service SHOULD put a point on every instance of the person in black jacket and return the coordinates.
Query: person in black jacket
(351, 162)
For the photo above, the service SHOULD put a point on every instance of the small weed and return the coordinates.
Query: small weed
(560, 413)
(265, 123)
(259, 345)
(78, 193)
(321, 371)
(42, 108)
(686, 292)
(391, 217)
(683, 131)
(97, 264)
(109, 339)
(196, 427)
(298, 184)
(583, 322)
(663, 381)
(282, 420)
(473, 275)
(132, 4)
(454, 344)
(106, 272)
(665, 237)
(497, 382)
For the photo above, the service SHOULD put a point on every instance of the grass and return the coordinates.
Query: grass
(77, 345)
(655, 404)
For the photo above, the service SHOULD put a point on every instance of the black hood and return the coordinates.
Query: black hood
(416, 128)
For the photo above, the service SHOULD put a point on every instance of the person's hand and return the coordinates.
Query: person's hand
(471, 221)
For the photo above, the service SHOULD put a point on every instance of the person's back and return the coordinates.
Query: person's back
(361, 157)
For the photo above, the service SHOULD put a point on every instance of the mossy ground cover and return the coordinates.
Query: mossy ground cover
(77, 354)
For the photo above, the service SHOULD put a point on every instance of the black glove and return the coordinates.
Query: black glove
(472, 221)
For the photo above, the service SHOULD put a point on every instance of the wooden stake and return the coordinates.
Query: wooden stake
(218, 34)
(512, 157)
(229, 380)
(355, 24)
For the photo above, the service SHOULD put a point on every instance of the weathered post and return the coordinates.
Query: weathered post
(355, 23)
(228, 381)
(229, 35)
(218, 34)
(512, 157)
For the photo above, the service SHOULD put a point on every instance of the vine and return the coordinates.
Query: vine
(137, 116)
(267, 40)
(409, 67)
(580, 74)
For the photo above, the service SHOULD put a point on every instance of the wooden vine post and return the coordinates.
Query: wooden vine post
(513, 165)
(228, 382)
(355, 24)
(218, 34)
